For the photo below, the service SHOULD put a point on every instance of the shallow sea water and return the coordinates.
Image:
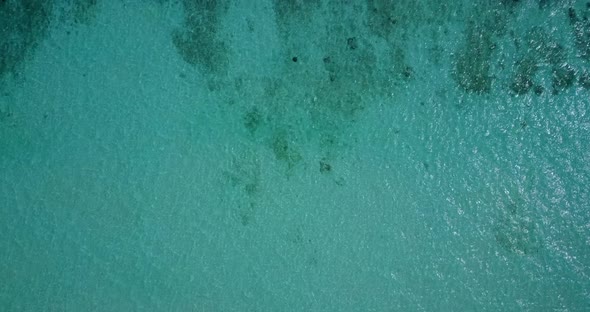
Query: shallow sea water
(294, 155)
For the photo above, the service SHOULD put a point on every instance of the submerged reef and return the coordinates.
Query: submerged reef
(25, 24)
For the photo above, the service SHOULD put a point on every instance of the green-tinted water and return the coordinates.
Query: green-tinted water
(300, 155)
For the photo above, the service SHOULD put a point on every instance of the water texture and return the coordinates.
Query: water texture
(294, 155)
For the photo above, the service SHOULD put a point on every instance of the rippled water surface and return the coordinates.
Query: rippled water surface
(294, 155)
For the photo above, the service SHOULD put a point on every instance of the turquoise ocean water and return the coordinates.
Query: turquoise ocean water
(294, 155)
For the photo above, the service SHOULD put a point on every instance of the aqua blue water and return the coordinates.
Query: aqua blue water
(294, 155)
